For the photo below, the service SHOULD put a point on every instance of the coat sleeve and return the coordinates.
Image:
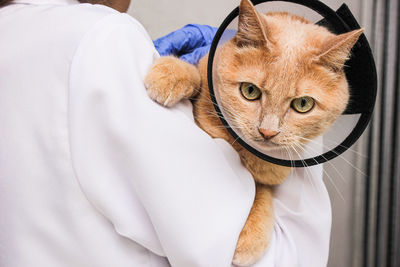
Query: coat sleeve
(159, 179)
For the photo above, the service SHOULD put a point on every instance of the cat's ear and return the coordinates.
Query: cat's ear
(336, 49)
(251, 29)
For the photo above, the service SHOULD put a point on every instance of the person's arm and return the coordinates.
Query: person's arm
(158, 178)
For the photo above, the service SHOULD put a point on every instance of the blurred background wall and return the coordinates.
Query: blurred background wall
(361, 190)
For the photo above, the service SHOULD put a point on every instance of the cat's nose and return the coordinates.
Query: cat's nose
(268, 134)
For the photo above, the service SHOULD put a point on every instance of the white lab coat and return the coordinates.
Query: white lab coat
(94, 173)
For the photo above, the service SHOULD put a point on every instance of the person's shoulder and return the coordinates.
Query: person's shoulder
(114, 33)
(98, 18)
(71, 25)
(82, 17)
(85, 13)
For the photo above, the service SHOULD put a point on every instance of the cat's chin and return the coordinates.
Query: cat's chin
(269, 145)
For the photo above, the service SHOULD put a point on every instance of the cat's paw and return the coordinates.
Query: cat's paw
(171, 80)
(250, 248)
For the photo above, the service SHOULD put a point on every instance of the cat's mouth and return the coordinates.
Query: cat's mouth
(268, 144)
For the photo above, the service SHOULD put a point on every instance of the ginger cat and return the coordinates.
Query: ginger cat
(282, 79)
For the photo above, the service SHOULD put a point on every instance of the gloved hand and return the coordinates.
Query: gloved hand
(190, 43)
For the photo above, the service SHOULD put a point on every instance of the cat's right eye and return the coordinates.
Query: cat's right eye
(250, 91)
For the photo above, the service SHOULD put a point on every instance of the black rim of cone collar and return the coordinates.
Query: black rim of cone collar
(335, 21)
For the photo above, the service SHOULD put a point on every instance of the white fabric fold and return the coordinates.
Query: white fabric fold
(125, 145)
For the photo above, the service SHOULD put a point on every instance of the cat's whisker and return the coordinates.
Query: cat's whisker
(234, 140)
(334, 185)
(326, 139)
(233, 113)
(333, 142)
(197, 99)
(228, 127)
(331, 180)
(327, 161)
(339, 155)
(289, 155)
(200, 100)
(307, 171)
(212, 113)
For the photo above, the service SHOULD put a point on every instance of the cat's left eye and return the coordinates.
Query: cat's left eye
(303, 104)
(250, 91)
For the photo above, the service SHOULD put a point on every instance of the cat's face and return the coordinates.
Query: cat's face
(281, 78)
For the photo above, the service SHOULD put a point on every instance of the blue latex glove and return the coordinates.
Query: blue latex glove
(190, 43)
